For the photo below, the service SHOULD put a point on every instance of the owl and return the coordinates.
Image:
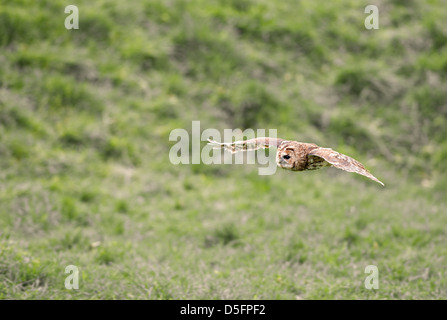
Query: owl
(298, 156)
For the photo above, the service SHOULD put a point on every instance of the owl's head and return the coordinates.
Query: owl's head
(285, 158)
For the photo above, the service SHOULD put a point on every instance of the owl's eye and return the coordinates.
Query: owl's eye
(287, 157)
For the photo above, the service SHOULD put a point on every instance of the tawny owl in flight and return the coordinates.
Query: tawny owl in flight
(299, 156)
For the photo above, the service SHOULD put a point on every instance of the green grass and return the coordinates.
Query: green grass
(85, 117)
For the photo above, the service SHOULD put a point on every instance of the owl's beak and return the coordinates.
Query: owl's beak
(281, 161)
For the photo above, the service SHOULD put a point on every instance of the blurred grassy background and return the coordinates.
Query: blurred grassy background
(85, 117)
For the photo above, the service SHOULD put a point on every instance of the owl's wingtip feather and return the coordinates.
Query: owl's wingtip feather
(215, 144)
(378, 181)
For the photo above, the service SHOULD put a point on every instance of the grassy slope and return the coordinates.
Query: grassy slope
(85, 117)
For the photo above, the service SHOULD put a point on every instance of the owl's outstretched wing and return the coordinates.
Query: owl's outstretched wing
(252, 144)
(342, 161)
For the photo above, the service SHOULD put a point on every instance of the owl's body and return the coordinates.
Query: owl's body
(299, 152)
(299, 156)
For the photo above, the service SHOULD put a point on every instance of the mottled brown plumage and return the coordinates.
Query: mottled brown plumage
(299, 156)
